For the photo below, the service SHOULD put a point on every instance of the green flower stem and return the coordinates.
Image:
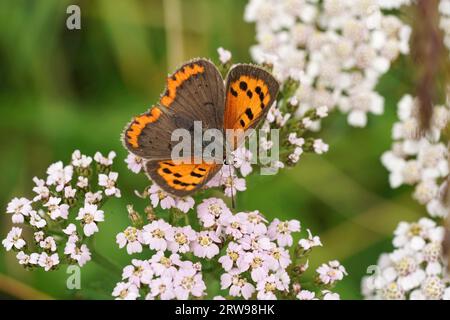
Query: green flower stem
(105, 262)
(186, 219)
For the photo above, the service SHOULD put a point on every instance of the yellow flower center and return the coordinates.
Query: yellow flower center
(88, 218)
(276, 254)
(256, 262)
(238, 281)
(158, 233)
(161, 195)
(235, 225)
(283, 227)
(165, 262)
(253, 218)
(138, 271)
(269, 287)
(415, 229)
(131, 234)
(205, 241)
(215, 209)
(233, 255)
(123, 294)
(187, 283)
(180, 238)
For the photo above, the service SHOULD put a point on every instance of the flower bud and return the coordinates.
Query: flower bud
(150, 213)
(134, 216)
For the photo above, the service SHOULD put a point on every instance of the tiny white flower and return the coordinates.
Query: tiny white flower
(105, 161)
(69, 192)
(320, 147)
(134, 163)
(306, 295)
(126, 291)
(25, 259)
(224, 55)
(14, 239)
(109, 183)
(80, 160)
(131, 238)
(56, 209)
(83, 182)
(59, 175)
(93, 198)
(322, 112)
(89, 216)
(37, 220)
(242, 160)
(48, 244)
(328, 295)
(40, 189)
(311, 242)
(331, 272)
(48, 261)
(20, 208)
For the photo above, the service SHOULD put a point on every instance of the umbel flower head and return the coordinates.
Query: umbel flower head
(334, 50)
(415, 270)
(63, 214)
(253, 256)
(420, 161)
(444, 9)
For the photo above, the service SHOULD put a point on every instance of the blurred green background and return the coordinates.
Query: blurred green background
(62, 90)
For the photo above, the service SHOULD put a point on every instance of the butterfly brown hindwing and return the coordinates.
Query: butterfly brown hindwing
(180, 179)
(250, 92)
(195, 92)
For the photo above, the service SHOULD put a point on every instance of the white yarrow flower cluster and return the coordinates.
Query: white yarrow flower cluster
(161, 277)
(421, 162)
(254, 256)
(335, 50)
(73, 192)
(415, 270)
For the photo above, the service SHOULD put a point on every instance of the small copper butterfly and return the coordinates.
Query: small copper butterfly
(197, 92)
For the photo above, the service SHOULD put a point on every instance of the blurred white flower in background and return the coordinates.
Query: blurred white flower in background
(224, 55)
(336, 49)
(415, 269)
(444, 9)
(421, 162)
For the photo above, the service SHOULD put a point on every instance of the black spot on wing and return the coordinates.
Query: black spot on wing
(249, 113)
(197, 175)
(261, 96)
